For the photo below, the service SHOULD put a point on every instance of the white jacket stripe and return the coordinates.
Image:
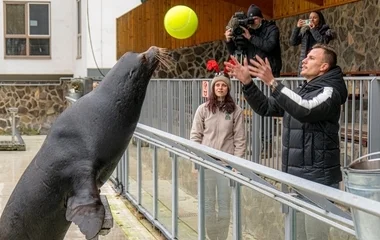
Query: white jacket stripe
(309, 104)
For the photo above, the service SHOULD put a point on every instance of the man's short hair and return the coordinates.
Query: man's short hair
(330, 54)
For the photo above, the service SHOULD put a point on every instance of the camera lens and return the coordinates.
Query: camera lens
(238, 31)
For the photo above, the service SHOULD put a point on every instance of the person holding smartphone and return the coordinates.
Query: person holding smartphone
(310, 31)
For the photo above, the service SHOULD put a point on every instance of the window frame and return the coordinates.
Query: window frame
(27, 34)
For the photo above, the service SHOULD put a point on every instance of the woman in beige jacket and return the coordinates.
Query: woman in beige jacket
(219, 123)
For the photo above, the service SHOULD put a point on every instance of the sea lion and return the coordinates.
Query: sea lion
(82, 149)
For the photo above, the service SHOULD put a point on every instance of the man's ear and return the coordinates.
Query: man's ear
(325, 67)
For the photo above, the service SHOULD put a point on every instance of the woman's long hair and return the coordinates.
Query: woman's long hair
(322, 20)
(228, 105)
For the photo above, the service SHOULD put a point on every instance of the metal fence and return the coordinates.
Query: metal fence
(266, 203)
(155, 172)
(170, 105)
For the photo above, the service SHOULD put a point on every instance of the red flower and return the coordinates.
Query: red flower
(212, 65)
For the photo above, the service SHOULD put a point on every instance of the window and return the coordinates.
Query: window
(79, 26)
(27, 29)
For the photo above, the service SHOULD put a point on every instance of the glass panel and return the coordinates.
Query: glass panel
(165, 188)
(217, 206)
(187, 200)
(147, 176)
(15, 46)
(261, 216)
(39, 47)
(308, 227)
(132, 171)
(15, 19)
(39, 19)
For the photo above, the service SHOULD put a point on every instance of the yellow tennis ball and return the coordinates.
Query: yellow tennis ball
(181, 22)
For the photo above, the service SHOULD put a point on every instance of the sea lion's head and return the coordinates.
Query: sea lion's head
(133, 71)
(142, 65)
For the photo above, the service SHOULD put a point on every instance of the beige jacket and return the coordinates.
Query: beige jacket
(221, 130)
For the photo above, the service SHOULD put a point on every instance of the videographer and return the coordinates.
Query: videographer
(261, 37)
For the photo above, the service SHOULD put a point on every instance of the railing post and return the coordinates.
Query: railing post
(374, 116)
(201, 204)
(155, 183)
(169, 99)
(236, 211)
(160, 109)
(256, 133)
(195, 97)
(289, 217)
(181, 108)
(289, 222)
(139, 172)
(122, 176)
(175, 197)
(126, 187)
(149, 102)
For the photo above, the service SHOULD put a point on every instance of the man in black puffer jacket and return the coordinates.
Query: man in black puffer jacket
(310, 137)
(310, 114)
(262, 39)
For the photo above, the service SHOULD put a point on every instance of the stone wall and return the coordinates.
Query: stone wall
(357, 43)
(191, 62)
(358, 34)
(38, 107)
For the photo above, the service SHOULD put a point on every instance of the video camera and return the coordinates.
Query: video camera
(238, 20)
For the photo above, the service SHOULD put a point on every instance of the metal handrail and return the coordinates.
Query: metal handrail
(246, 176)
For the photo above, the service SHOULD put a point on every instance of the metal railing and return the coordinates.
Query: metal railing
(155, 172)
(158, 181)
(170, 105)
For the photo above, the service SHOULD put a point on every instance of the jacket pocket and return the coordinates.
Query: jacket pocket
(308, 149)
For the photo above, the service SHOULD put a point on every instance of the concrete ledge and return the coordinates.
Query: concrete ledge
(132, 223)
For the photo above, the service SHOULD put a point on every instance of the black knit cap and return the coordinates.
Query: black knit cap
(254, 11)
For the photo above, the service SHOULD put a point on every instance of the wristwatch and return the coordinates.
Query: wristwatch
(273, 85)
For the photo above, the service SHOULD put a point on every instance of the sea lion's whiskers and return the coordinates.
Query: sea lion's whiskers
(164, 61)
(168, 57)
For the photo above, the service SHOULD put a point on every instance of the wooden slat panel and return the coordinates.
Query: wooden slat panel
(266, 6)
(143, 27)
(286, 8)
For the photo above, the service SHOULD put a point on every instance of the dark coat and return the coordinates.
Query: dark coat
(264, 42)
(310, 138)
(308, 38)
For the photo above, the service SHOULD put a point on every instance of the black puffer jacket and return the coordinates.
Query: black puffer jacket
(310, 124)
(309, 37)
(265, 42)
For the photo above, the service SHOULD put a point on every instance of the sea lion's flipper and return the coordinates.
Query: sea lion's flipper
(86, 211)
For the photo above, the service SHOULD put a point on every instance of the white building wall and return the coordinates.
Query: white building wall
(80, 64)
(61, 29)
(102, 18)
(102, 15)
